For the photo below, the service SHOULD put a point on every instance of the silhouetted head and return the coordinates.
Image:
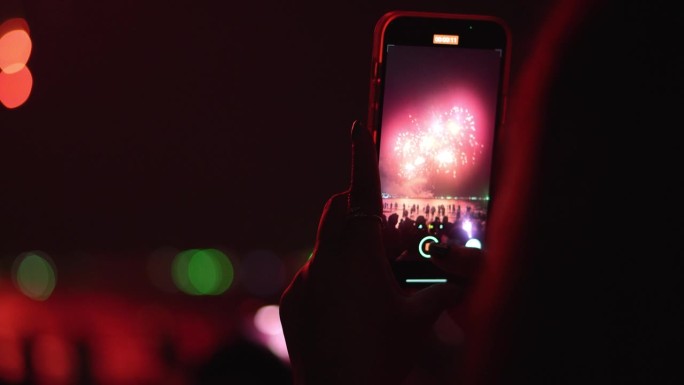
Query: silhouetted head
(421, 223)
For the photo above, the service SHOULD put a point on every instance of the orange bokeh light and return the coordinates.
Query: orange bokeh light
(15, 88)
(15, 45)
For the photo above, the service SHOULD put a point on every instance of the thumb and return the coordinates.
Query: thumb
(429, 303)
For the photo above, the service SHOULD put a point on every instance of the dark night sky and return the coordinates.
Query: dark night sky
(186, 123)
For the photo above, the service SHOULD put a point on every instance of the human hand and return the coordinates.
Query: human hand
(344, 316)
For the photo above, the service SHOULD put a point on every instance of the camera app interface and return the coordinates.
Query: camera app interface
(437, 134)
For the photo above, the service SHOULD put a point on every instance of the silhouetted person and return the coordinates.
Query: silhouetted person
(457, 234)
(392, 237)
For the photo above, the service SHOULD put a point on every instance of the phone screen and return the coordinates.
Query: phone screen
(438, 112)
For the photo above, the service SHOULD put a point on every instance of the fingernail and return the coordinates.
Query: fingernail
(357, 126)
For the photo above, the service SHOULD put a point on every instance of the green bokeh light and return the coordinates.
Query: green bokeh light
(202, 272)
(179, 271)
(35, 275)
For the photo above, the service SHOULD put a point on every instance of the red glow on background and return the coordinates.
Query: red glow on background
(12, 362)
(120, 339)
(54, 359)
(15, 88)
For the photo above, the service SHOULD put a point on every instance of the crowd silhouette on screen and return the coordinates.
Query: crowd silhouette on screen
(403, 233)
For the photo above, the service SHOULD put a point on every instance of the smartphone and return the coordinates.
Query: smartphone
(437, 102)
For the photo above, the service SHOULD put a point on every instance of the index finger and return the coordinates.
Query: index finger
(364, 193)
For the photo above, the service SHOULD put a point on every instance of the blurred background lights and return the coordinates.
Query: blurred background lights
(35, 275)
(267, 323)
(54, 359)
(262, 273)
(15, 88)
(267, 320)
(15, 45)
(16, 80)
(202, 271)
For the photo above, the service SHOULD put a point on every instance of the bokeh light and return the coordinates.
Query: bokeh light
(15, 88)
(267, 320)
(16, 80)
(202, 271)
(35, 275)
(267, 323)
(15, 45)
